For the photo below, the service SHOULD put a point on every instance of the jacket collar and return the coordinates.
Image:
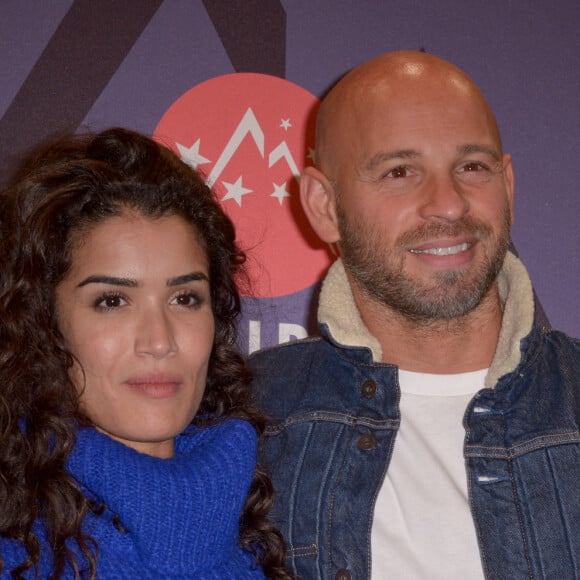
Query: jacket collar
(338, 312)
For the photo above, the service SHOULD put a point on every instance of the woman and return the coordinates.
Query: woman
(127, 434)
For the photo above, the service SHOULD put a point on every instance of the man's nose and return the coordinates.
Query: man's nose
(444, 199)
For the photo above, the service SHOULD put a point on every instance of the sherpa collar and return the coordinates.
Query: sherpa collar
(337, 309)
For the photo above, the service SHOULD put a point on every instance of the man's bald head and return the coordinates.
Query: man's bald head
(397, 78)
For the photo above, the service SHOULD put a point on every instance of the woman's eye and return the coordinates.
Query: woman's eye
(187, 299)
(110, 301)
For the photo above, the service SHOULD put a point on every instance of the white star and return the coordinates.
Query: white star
(285, 124)
(191, 155)
(235, 191)
(280, 192)
(311, 154)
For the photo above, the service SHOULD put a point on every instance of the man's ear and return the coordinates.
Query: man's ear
(508, 173)
(319, 203)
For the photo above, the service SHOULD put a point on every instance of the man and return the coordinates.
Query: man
(433, 430)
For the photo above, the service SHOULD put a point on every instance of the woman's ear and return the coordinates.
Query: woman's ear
(319, 203)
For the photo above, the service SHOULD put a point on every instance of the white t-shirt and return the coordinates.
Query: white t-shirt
(422, 526)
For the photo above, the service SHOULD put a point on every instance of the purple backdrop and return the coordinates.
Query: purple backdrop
(98, 63)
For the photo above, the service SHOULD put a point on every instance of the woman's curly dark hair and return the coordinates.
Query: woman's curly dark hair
(72, 183)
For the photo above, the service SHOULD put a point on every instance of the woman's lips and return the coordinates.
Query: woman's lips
(155, 386)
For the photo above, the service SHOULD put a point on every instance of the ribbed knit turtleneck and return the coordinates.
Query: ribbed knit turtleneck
(181, 514)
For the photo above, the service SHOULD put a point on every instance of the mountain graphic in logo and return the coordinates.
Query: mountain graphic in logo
(251, 135)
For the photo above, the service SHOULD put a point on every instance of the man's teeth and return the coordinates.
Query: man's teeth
(443, 251)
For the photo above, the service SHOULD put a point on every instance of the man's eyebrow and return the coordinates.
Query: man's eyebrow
(191, 277)
(390, 155)
(477, 148)
(112, 280)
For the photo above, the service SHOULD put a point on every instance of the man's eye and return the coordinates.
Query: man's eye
(398, 172)
(473, 167)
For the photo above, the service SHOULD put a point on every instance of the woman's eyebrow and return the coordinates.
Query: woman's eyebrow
(191, 277)
(113, 280)
(131, 283)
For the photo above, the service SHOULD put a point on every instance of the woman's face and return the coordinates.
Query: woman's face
(135, 310)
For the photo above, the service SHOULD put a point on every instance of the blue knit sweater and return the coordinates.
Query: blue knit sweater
(181, 514)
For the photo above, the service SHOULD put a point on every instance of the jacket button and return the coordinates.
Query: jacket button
(343, 574)
(366, 442)
(369, 389)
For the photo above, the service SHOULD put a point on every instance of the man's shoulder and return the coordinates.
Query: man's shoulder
(279, 363)
(560, 367)
(281, 373)
(276, 357)
(562, 346)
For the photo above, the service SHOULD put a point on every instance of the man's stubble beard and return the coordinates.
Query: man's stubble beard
(450, 295)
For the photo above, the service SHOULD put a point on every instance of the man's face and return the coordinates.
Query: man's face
(423, 202)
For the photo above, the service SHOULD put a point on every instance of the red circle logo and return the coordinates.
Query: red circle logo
(251, 135)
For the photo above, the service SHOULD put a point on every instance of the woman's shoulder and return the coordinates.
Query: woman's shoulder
(225, 432)
(13, 554)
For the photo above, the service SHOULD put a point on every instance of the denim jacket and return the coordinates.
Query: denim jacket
(334, 419)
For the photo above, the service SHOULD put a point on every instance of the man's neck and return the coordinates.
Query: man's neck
(458, 345)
